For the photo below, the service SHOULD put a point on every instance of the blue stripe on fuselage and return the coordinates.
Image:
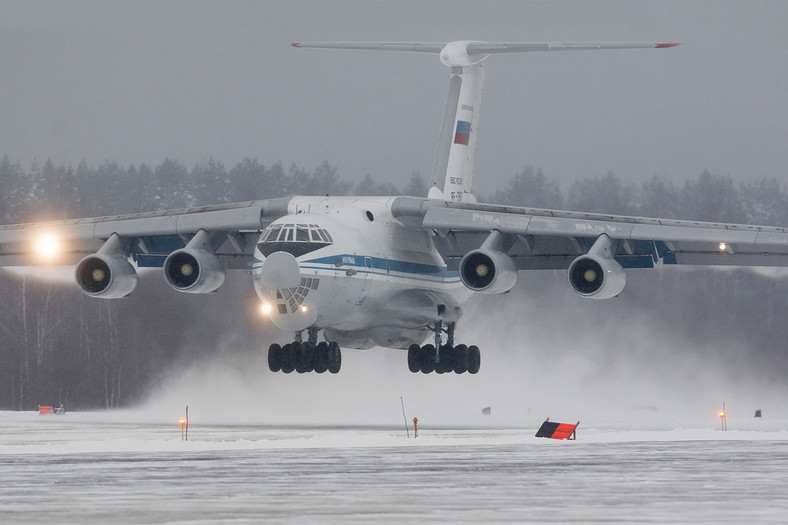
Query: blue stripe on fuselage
(378, 263)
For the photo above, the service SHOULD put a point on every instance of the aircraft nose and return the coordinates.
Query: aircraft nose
(280, 270)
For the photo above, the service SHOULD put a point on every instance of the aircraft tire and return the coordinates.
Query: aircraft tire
(298, 357)
(414, 358)
(275, 357)
(321, 357)
(460, 359)
(474, 359)
(334, 358)
(308, 357)
(445, 359)
(427, 359)
(287, 359)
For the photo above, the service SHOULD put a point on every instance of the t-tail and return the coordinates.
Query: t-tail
(452, 173)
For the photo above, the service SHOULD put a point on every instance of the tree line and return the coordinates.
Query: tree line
(48, 192)
(59, 346)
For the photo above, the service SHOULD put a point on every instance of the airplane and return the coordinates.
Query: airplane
(390, 272)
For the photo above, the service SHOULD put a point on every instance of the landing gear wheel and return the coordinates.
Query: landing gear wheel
(288, 359)
(334, 358)
(460, 359)
(445, 359)
(474, 359)
(298, 357)
(321, 357)
(307, 357)
(413, 358)
(427, 359)
(275, 357)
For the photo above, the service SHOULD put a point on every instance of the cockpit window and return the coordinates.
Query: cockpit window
(296, 239)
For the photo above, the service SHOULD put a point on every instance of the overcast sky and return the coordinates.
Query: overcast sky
(137, 82)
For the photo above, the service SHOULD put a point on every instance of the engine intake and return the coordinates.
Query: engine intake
(194, 271)
(105, 275)
(597, 275)
(488, 271)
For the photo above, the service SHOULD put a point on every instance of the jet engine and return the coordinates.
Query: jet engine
(597, 275)
(106, 275)
(488, 271)
(194, 271)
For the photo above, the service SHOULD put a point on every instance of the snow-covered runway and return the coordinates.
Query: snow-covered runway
(79, 469)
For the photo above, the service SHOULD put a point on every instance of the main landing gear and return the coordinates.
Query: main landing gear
(309, 356)
(444, 358)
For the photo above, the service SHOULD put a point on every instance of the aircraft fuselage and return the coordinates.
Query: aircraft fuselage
(365, 278)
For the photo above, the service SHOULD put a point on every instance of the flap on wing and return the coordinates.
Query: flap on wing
(553, 238)
(153, 235)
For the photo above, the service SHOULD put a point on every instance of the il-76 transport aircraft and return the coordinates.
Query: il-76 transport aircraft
(393, 272)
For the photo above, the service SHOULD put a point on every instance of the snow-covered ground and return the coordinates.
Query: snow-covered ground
(113, 467)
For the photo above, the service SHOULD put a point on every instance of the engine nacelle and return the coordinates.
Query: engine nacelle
(596, 277)
(488, 271)
(105, 275)
(194, 271)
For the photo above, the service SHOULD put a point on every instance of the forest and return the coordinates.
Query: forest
(60, 346)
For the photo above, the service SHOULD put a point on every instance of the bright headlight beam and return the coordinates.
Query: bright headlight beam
(47, 246)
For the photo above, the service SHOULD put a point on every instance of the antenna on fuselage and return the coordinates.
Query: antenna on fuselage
(452, 172)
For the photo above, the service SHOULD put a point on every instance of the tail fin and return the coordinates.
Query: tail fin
(453, 168)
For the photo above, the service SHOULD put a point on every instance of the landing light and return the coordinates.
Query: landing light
(304, 309)
(266, 308)
(723, 246)
(47, 246)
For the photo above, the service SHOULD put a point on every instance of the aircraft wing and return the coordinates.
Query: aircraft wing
(553, 239)
(146, 237)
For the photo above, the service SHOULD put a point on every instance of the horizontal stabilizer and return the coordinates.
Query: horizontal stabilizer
(483, 49)
(492, 48)
(410, 47)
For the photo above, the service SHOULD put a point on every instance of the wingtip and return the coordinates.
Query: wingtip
(667, 44)
(295, 44)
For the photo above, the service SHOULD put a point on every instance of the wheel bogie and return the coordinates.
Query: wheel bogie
(325, 356)
(458, 359)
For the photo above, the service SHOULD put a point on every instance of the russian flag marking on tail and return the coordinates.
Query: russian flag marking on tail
(463, 134)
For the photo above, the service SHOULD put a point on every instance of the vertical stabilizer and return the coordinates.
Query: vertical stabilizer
(452, 172)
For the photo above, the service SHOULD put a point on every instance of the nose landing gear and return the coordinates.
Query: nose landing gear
(303, 357)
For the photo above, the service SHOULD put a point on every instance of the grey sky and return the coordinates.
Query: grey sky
(140, 81)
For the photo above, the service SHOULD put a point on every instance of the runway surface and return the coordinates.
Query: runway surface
(87, 468)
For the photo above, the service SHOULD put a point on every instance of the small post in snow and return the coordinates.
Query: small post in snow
(407, 430)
